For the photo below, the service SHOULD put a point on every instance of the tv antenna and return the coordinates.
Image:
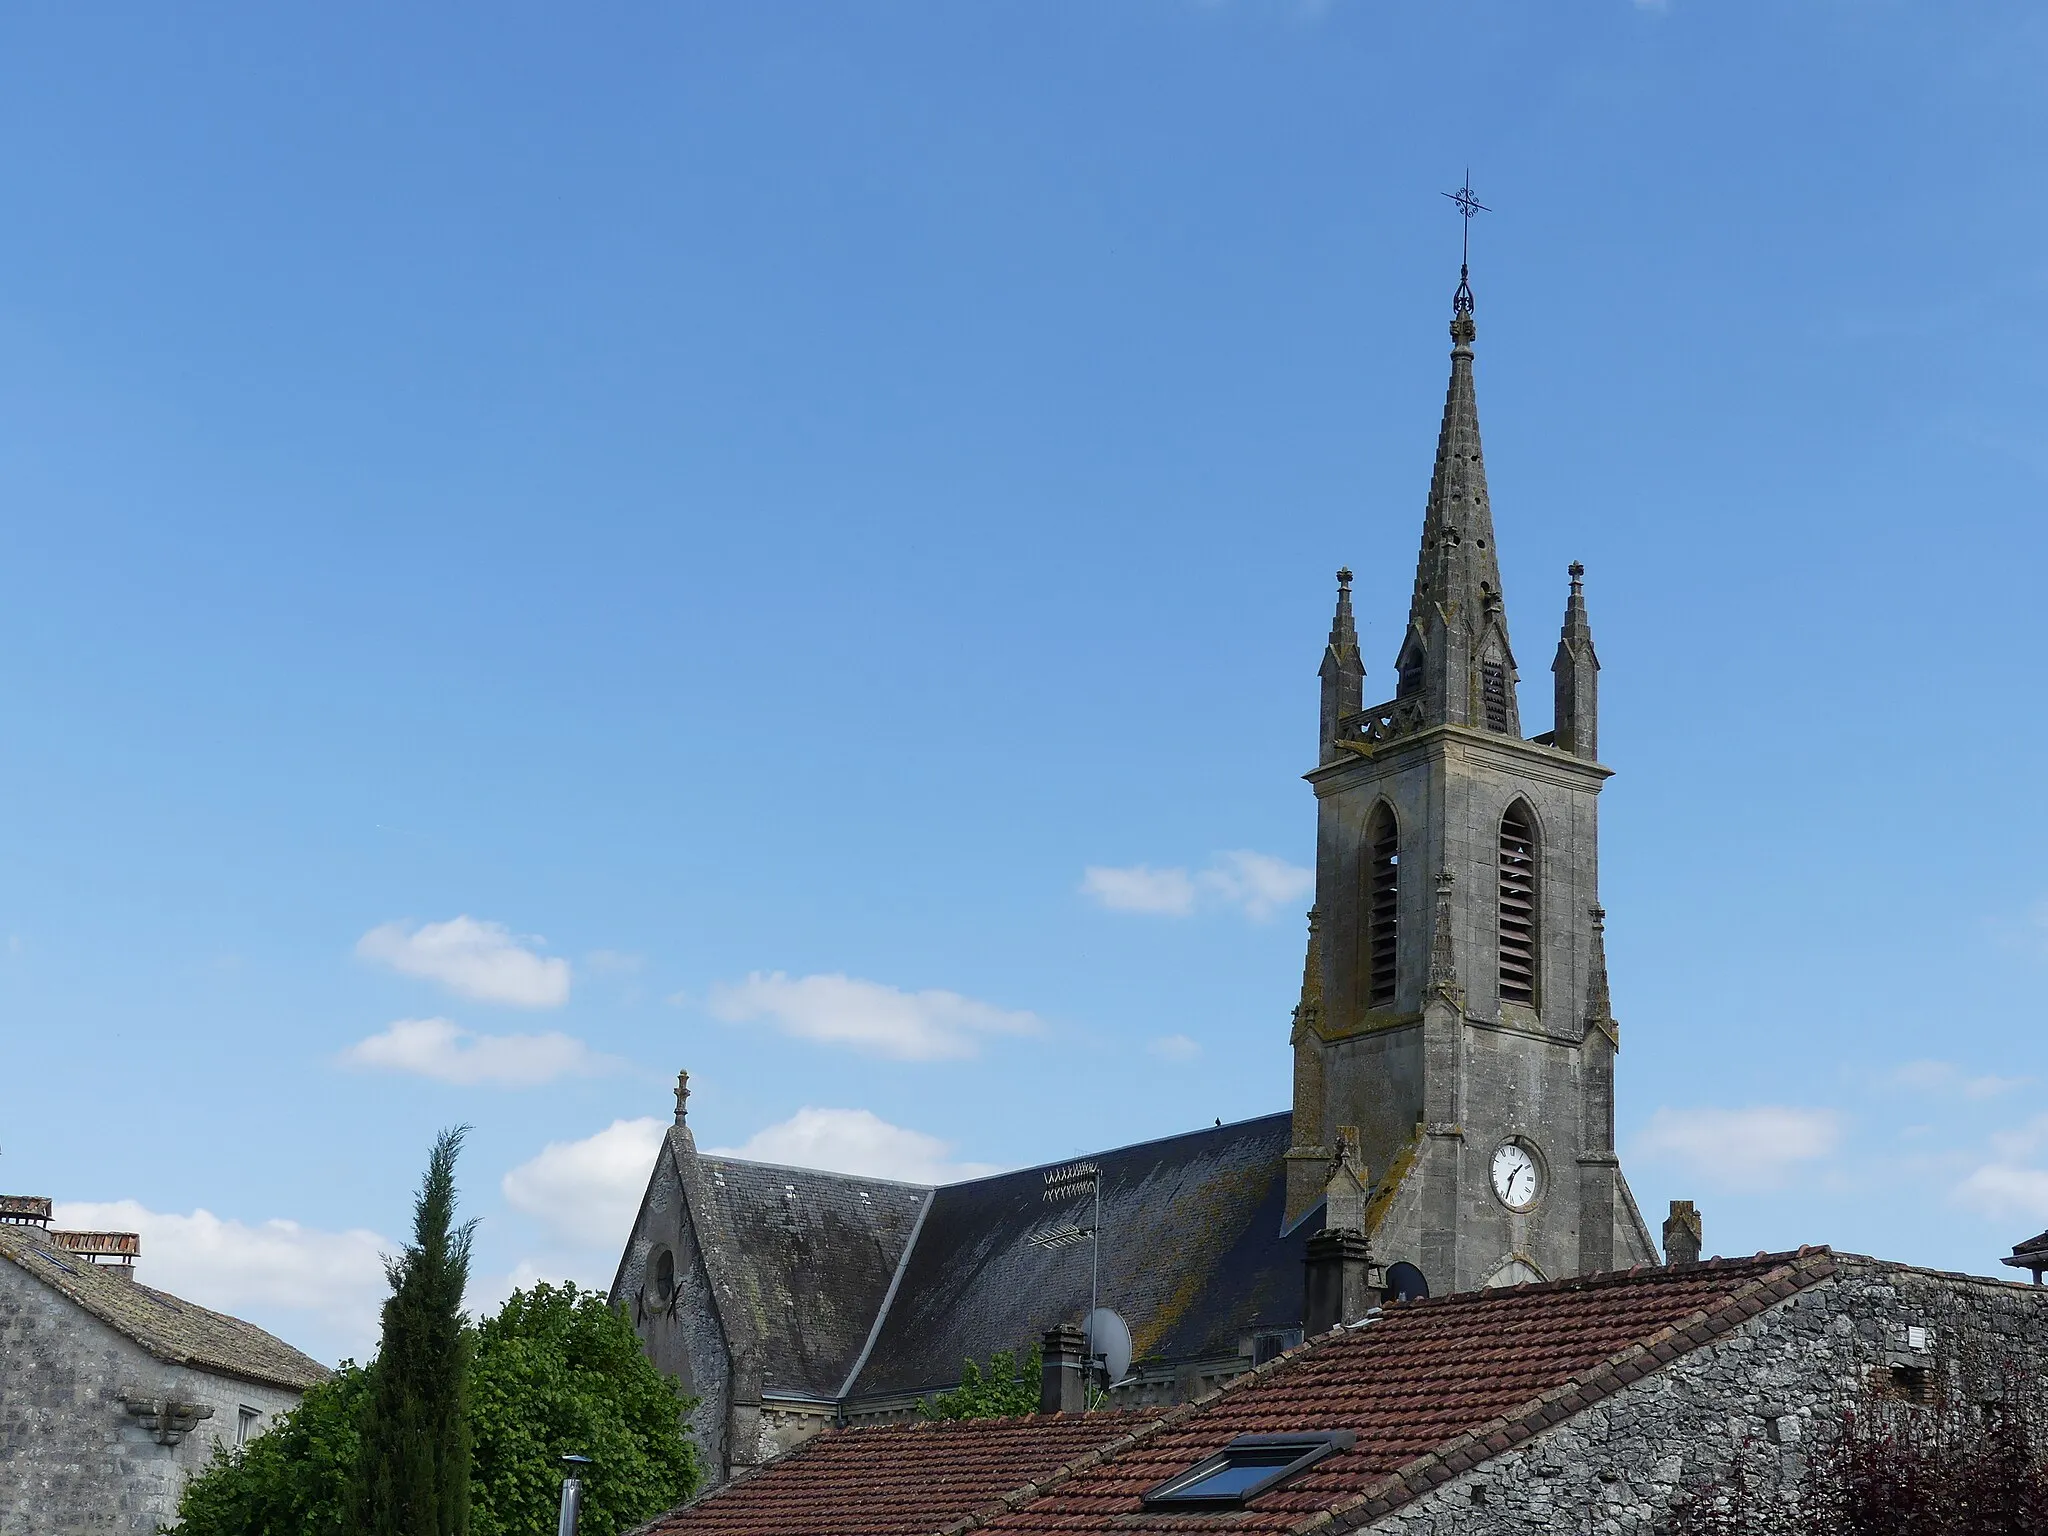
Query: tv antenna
(1083, 1180)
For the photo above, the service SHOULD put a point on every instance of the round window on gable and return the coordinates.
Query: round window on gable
(661, 1277)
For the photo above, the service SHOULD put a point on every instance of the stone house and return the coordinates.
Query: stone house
(112, 1394)
(1595, 1404)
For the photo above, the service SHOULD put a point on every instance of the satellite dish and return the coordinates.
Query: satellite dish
(1109, 1341)
(1405, 1282)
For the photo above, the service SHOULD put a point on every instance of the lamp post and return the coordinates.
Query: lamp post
(572, 1495)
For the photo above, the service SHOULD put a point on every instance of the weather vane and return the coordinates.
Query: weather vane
(1467, 206)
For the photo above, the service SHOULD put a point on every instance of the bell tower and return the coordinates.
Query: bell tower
(1455, 1003)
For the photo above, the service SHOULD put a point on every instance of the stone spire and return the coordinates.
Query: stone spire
(1443, 959)
(1342, 672)
(1599, 1004)
(1577, 673)
(1456, 654)
(1308, 1156)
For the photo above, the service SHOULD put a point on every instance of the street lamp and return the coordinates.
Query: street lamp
(572, 1495)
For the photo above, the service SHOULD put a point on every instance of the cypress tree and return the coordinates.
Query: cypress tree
(413, 1478)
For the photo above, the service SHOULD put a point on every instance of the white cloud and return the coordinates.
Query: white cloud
(1259, 883)
(1743, 1149)
(2005, 1192)
(588, 1191)
(472, 958)
(1140, 888)
(856, 1141)
(1175, 1048)
(931, 1025)
(1256, 884)
(319, 1291)
(1947, 1077)
(448, 1053)
(2009, 1187)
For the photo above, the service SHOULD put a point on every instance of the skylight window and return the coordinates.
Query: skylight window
(1244, 1469)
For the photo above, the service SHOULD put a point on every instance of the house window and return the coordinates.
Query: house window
(245, 1424)
(1518, 906)
(1382, 905)
(1245, 1468)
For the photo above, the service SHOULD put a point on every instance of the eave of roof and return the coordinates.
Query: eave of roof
(174, 1330)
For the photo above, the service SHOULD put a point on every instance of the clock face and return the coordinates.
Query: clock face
(1515, 1176)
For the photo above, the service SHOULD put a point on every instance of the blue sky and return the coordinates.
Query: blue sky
(537, 550)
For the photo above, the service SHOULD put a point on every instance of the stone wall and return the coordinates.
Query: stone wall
(1764, 1391)
(73, 1457)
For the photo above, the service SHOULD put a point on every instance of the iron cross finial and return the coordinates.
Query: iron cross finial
(1468, 205)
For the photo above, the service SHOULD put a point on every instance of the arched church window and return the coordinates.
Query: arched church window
(1382, 904)
(1409, 670)
(1518, 905)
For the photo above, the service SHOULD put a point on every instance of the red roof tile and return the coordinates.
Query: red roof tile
(1428, 1388)
(898, 1479)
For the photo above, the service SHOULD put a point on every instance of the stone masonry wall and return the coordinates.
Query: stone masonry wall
(73, 1459)
(1763, 1390)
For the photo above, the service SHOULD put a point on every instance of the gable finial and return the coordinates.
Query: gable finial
(1468, 205)
(682, 1097)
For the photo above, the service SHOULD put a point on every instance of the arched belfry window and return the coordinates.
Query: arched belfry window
(1382, 905)
(1518, 905)
(1409, 671)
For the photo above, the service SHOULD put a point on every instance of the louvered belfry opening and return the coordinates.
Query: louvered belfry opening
(1382, 905)
(1518, 906)
(1493, 692)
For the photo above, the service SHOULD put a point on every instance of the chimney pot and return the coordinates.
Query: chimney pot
(1337, 1284)
(1682, 1234)
(1063, 1381)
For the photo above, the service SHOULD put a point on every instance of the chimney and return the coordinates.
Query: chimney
(1682, 1234)
(1338, 1286)
(1063, 1381)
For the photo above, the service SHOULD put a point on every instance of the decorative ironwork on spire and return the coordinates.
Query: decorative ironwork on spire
(1468, 205)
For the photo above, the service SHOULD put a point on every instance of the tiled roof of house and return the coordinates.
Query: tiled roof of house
(1429, 1389)
(1192, 1250)
(173, 1330)
(896, 1479)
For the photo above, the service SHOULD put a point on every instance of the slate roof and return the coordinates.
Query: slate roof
(816, 1254)
(1192, 1256)
(174, 1331)
(1430, 1388)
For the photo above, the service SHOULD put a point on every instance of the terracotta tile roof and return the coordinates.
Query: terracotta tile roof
(898, 1479)
(169, 1328)
(1430, 1389)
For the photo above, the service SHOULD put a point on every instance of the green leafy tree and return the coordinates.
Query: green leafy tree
(1006, 1388)
(559, 1371)
(412, 1478)
(555, 1371)
(295, 1480)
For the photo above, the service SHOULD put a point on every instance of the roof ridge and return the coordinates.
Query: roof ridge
(829, 1173)
(1808, 1266)
(1635, 1274)
(1133, 1146)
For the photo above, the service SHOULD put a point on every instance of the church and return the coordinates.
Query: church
(1453, 1107)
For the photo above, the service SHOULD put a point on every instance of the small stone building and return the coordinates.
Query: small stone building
(1596, 1404)
(112, 1394)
